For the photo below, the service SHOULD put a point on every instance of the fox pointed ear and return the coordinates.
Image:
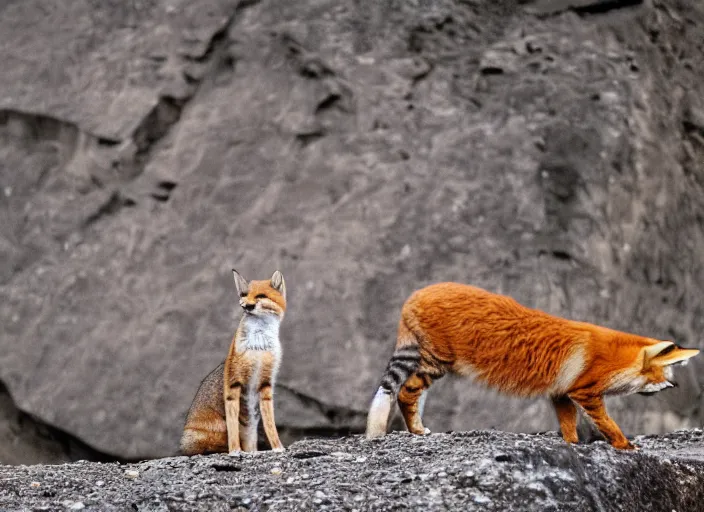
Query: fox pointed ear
(240, 283)
(652, 351)
(278, 283)
(672, 354)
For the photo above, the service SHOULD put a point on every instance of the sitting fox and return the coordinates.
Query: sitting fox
(224, 414)
(461, 329)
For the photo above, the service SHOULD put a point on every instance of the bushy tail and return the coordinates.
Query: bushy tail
(402, 364)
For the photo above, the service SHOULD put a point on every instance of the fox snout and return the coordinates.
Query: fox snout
(249, 306)
(652, 388)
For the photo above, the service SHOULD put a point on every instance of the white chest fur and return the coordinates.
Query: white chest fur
(260, 334)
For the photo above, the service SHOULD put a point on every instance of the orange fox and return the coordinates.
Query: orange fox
(461, 329)
(225, 411)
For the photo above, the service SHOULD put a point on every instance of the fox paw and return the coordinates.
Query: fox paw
(280, 449)
(235, 453)
(426, 431)
(628, 447)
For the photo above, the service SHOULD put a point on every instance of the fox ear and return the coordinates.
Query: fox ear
(666, 353)
(278, 283)
(652, 351)
(240, 283)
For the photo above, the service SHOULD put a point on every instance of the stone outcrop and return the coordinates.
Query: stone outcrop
(478, 470)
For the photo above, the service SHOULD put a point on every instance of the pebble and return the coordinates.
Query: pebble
(276, 471)
(480, 498)
(34, 484)
(131, 473)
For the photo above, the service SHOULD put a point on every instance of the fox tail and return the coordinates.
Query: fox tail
(403, 363)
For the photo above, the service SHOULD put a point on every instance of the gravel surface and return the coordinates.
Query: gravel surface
(477, 470)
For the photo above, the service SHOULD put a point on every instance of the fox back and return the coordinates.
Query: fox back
(457, 328)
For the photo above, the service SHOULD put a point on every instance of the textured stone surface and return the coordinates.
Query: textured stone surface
(478, 470)
(549, 150)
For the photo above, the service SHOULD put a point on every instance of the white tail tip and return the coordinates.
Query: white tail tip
(379, 414)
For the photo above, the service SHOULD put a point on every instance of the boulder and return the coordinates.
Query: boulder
(25, 439)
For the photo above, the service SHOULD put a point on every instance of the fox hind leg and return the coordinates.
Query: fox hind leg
(411, 401)
(567, 416)
(402, 364)
(197, 441)
(205, 432)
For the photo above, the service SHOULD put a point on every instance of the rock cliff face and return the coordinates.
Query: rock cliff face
(25, 439)
(551, 150)
(478, 470)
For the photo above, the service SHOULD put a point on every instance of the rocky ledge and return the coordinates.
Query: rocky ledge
(478, 470)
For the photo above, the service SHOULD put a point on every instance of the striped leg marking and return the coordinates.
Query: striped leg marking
(402, 364)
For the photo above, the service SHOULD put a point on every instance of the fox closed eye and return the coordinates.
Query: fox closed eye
(260, 296)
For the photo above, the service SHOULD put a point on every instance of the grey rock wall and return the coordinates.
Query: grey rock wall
(550, 150)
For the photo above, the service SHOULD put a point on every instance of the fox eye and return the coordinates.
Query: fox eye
(243, 294)
(260, 296)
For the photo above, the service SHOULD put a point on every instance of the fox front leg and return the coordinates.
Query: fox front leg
(232, 414)
(596, 409)
(567, 416)
(266, 402)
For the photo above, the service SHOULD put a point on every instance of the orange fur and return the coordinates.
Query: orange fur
(457, 328)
